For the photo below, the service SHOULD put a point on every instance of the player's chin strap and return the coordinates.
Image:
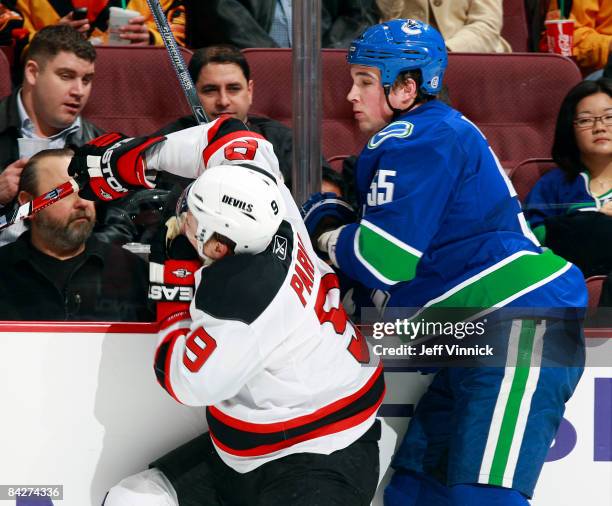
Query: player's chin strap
(397, 112)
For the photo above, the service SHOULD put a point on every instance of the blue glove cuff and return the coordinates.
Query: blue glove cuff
(329, 206)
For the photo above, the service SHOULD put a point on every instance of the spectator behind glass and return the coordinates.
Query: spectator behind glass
(57, 270)
(58, 77)
(141, 30)
(222, 77)
(267, 23)
(467, 26)
(569, 208)
(58, 74)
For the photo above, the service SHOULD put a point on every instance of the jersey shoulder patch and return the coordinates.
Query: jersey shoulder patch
(241, 287)
(397, 129)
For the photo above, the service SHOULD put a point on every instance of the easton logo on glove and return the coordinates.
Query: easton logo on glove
(108, 171)
(172, 284)
(170, 293)
(108, 167)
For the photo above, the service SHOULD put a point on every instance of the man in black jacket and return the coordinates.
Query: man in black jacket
(58, 74)
(248, 23)
(56, 270)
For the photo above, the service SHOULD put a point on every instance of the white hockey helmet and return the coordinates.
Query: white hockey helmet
(241, 202)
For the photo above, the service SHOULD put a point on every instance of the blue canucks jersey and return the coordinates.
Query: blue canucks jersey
(441, 224)
(555, 195)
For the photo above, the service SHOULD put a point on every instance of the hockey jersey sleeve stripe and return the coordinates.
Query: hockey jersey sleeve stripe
(390, 238)
(212, 133)
(163, 360)
(105, 139)
(386, 257)
(212, 148)
(170, 329)
(249, 439)
(540, 233)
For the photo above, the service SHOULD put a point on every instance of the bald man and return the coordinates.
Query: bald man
(57, 270)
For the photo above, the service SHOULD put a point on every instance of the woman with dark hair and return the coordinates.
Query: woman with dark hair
(569, 209)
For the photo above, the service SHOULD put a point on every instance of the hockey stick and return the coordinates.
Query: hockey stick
(39, 203)
(176, 59)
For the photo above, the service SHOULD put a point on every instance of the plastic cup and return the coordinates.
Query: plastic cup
(560, 36)
(30, 146)
(119, 17)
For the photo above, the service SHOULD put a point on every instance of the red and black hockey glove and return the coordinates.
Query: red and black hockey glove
(110, 166)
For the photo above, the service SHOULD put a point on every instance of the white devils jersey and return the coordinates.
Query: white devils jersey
(269, 349)
(225, 141)
(189, 152)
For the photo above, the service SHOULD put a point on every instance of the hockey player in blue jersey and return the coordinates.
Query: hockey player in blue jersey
(440, 226)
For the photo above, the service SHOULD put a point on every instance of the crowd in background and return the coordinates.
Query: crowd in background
(444, 228)
(52, 49)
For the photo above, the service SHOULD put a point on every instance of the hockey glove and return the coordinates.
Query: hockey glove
(323, 213)
(326, 211)
(172, 265)
(111, 165)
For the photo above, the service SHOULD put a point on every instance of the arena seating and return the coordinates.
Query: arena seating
(335, 162)
(135, 90)
(514, 29)
(526, 174)
(5, 75)
(594, 285)
(513, 98)
(271, 73)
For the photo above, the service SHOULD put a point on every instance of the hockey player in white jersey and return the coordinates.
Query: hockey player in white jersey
(290, 386)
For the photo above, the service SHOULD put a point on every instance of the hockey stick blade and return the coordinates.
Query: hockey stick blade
(39, 203)
(177, 61)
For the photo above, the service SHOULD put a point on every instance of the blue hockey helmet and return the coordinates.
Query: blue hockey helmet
(400, 45)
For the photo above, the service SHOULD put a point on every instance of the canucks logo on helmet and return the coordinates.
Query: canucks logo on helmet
(411, 27)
